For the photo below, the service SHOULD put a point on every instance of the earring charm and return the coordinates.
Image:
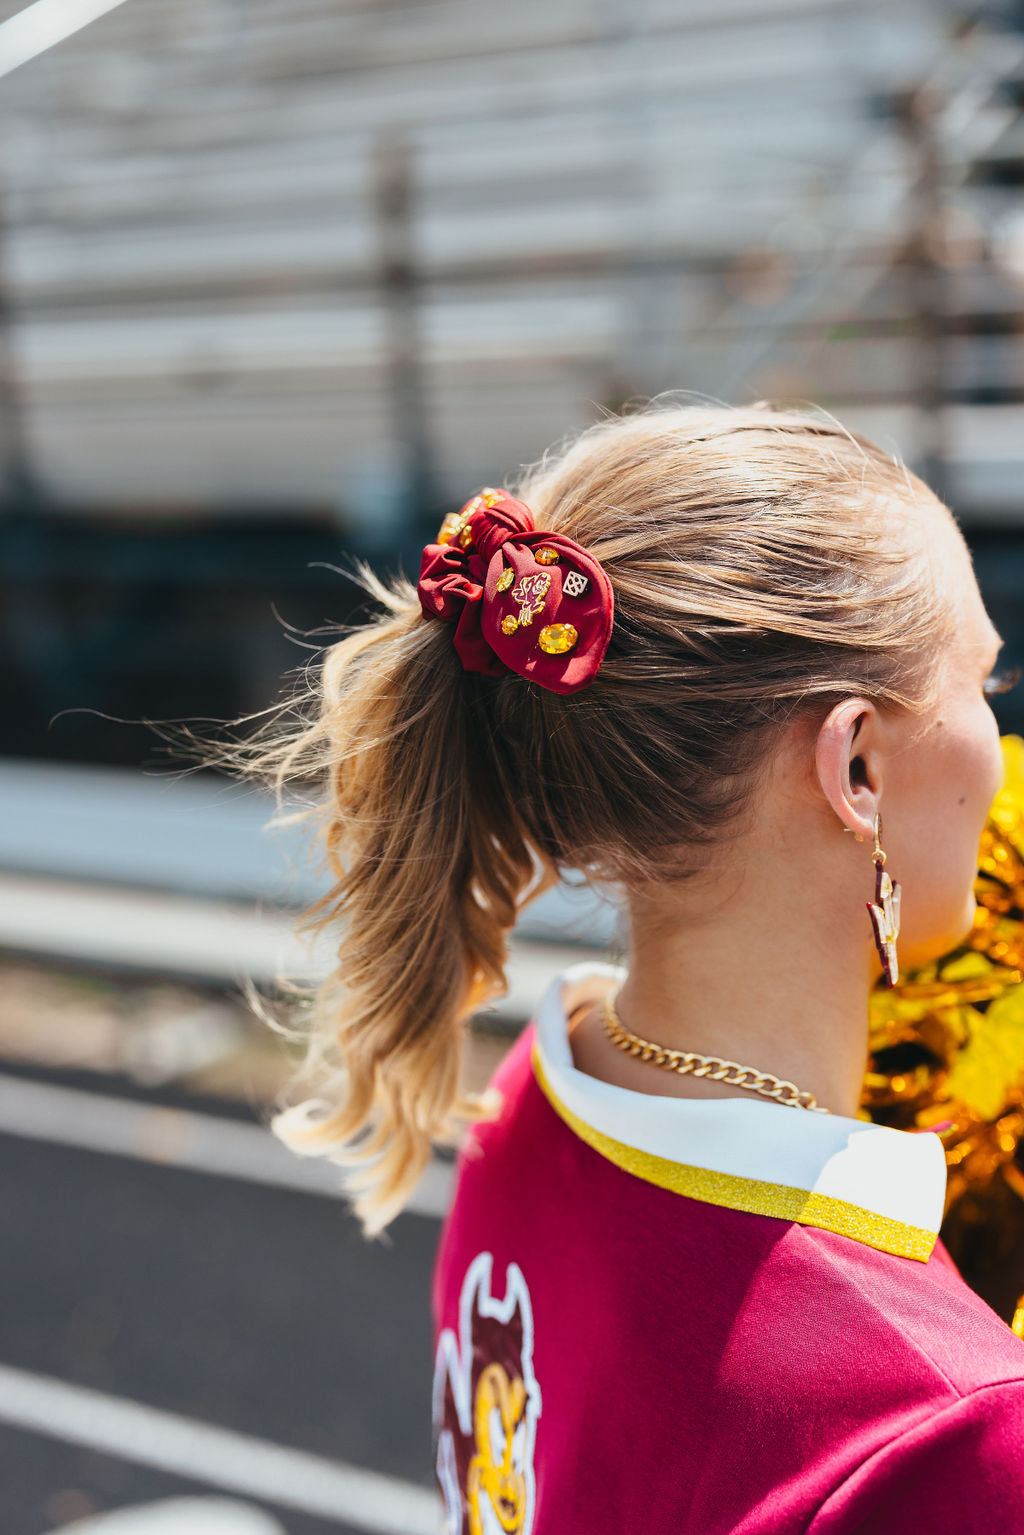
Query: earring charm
(885, 909)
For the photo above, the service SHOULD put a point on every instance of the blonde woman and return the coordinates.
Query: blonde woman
(733, 663)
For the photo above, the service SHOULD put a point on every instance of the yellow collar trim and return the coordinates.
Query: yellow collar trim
(802, 1206)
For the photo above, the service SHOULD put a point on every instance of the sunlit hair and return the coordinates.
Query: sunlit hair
(765, 563)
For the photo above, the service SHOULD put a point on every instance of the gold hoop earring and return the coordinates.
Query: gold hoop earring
(885, 910)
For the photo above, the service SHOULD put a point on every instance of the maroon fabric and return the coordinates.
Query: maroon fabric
(460, 585)
(677, 1368)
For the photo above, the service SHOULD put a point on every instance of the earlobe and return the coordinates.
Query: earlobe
(848, 764)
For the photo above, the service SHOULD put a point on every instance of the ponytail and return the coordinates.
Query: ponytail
(429, 865)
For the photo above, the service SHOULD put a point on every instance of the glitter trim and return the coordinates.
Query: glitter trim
(753, 1197)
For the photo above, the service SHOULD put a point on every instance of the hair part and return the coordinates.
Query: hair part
(765, 564)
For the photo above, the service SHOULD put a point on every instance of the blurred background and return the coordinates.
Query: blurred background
(281, 282)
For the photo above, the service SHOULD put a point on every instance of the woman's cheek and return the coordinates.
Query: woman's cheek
(975, 769)
(981, 789)
(938, 888)
(995, 763)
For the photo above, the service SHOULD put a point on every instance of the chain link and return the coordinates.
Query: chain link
(690, 1063)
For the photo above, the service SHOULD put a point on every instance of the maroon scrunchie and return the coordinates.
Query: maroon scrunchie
(522, 601)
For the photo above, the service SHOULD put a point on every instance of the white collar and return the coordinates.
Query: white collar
(880, 1186)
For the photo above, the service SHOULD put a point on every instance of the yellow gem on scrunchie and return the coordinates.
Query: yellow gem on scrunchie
(506, 578)
(451, 527)
(509, 624)
(556, 639)
(547, 556)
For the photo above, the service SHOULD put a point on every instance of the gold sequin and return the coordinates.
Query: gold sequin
(505, 580)
(556, 639)
(466, 536)
(509, 624)
(547, 556)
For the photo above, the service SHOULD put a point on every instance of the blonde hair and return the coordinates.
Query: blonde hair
(763, 562)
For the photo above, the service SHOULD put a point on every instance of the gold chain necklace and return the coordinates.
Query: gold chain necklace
(688, 1062)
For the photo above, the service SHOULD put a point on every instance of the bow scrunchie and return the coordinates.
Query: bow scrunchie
(522, 601)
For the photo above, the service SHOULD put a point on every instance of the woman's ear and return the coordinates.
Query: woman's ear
(848, 763)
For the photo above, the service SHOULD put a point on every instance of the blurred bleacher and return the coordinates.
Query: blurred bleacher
(281, 280)
(785, 197)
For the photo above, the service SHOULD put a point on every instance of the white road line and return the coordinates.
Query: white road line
(181, 1516)
(219, 1457)
(38, 27)
(203, 1143)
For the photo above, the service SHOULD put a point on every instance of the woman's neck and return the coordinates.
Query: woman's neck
(761, 975)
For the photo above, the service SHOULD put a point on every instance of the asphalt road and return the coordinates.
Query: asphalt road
(257, 1309)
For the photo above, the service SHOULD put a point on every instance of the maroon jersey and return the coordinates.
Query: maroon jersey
(708, 1317)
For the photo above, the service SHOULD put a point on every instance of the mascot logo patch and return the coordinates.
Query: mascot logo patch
(486, 1406)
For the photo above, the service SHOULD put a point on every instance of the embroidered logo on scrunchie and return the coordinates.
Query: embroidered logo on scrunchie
(521, 600)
